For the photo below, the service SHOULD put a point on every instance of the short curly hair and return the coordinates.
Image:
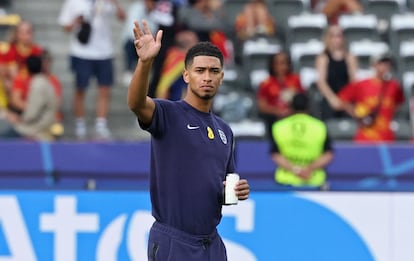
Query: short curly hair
(203, 49)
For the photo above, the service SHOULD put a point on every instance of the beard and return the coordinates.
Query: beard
(206, 96)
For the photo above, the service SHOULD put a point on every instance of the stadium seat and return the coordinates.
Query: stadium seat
(365, 49)
(401, 29)
(341, 129)
(232, 8)
(7, 21)
(304, 54)
(256, 54)
(384, 9)
(305, 26)
(308, 77)
(281, 10)
(357, 27)
(406, 57)
(402, 129)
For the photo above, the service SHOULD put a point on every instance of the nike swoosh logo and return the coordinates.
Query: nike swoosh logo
(192, 127)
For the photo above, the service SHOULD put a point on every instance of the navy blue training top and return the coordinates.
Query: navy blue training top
(191, 152)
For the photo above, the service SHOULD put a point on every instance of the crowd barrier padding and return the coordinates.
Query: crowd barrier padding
(125, 165)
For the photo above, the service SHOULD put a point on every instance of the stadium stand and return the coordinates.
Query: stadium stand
(243, 77)
(303, 54)
(305, 26)
(401, 29)
(357, 27)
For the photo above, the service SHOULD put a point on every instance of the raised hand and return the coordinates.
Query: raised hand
(146, 46)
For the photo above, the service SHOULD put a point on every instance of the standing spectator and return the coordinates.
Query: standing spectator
(255, 20)
(192, 150)
(157, 13)
(91, 59)
(301, 147)
(373, 102)
(334, 8)
(336, 68)
(40, 109)
(172, 85)
(276, 92)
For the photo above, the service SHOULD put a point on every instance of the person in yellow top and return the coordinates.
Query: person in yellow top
(301, 147)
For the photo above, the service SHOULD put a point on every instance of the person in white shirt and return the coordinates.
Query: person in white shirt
(91, 59)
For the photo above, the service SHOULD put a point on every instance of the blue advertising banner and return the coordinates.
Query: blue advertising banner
(113, 226)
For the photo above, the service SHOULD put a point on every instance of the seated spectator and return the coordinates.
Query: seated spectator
(336, 68)
(301, 147)
(276, 92)
(254, 20)
(21, 46)
(373, 102)
(334, 8)
(209, 24)
(172, 85)
(41, 108)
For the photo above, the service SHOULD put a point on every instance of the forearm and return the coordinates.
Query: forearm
(283, 162)
(138, 87)
(321, 162)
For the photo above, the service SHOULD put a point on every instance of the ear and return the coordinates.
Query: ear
(186, 76)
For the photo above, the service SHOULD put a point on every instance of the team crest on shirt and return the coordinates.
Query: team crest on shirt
(222, 136)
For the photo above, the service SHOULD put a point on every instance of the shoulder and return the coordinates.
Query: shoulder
(40, 82)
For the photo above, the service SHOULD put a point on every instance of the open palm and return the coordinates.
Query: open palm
(146, 46)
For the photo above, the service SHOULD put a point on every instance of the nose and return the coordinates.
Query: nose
(207, 76)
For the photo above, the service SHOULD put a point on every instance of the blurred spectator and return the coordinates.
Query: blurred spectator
(276, 92)
(255, 20)
(172, 85)
(334, 8)
(141, 10)
(336, 67)
(301, 147)
(57, 128)
(13, 58)
(209, 23)
(40, 109)
(93, 58)
(373, 102)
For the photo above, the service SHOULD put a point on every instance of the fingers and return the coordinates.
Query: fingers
(137, 31)
(242, 189)
(158, 37)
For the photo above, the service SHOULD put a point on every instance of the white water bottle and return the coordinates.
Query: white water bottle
(230, 197)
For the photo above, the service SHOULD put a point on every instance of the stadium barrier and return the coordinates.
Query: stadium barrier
(125, 165)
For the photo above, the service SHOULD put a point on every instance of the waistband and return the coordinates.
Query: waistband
(175, 233)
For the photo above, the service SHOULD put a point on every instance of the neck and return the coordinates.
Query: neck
(198, 103)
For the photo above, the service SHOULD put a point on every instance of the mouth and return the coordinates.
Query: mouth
(207, 87)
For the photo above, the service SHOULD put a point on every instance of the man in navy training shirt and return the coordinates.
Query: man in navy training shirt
(191, 153)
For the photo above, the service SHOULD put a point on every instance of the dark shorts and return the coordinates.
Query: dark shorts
(169, 244)
(85, 69)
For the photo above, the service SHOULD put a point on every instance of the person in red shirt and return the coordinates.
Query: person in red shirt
(13, 60)
(21, 46)
(276, 92)
(373, 102)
